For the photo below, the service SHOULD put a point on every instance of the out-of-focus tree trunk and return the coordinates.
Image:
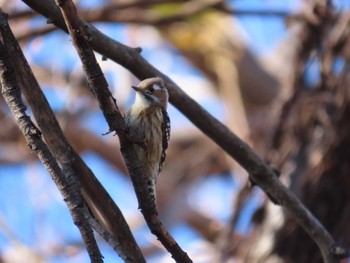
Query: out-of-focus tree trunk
(311, 148)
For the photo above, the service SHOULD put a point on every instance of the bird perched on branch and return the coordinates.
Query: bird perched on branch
(148, 121)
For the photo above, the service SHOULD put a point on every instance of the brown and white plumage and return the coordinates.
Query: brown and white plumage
(149, 119)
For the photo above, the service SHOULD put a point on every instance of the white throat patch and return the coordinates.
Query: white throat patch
(140, 103)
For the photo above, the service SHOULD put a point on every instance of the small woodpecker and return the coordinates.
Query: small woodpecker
(148, 120)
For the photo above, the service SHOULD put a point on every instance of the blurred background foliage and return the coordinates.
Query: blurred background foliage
(255, 65)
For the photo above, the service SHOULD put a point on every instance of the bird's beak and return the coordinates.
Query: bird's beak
(135, 88)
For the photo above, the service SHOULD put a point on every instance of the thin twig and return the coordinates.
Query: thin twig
(141, 15)
(135, 12)
(123, 5)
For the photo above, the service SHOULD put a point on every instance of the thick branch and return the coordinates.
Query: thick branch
(99, 201)
(69, 190)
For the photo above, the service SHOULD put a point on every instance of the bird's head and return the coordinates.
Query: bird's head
(153, 90)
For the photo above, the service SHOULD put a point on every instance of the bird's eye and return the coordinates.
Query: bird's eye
(151, 89)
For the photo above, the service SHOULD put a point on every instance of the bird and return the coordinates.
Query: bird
(148, 125)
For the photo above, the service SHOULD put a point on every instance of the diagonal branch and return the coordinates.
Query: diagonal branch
(25, 36)
(70, 191)
(259, 171)
(23, 14)
(115, 120)
(100, 203)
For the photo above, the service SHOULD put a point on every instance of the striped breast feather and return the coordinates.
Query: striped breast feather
(166, 137)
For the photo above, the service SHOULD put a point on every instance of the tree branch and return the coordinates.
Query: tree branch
(99, 87)
(98, 200)
(140, 15)
(23, 14)
(139, 12)
(25, 36)
(70, 191)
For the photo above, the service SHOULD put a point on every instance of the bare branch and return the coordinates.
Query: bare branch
(112, 13)
(136, 13)
(69, 190)
(35, 33)
(99, 87)
(24, 14)
(142, 3)
(98, 200)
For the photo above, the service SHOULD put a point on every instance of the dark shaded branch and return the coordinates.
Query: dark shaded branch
(35, 33)
(98, 200)
(136, 12)
(117, 5)
(115, 120)
(259, 171)
(24, 14)
(68, 188)
(141, 15)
